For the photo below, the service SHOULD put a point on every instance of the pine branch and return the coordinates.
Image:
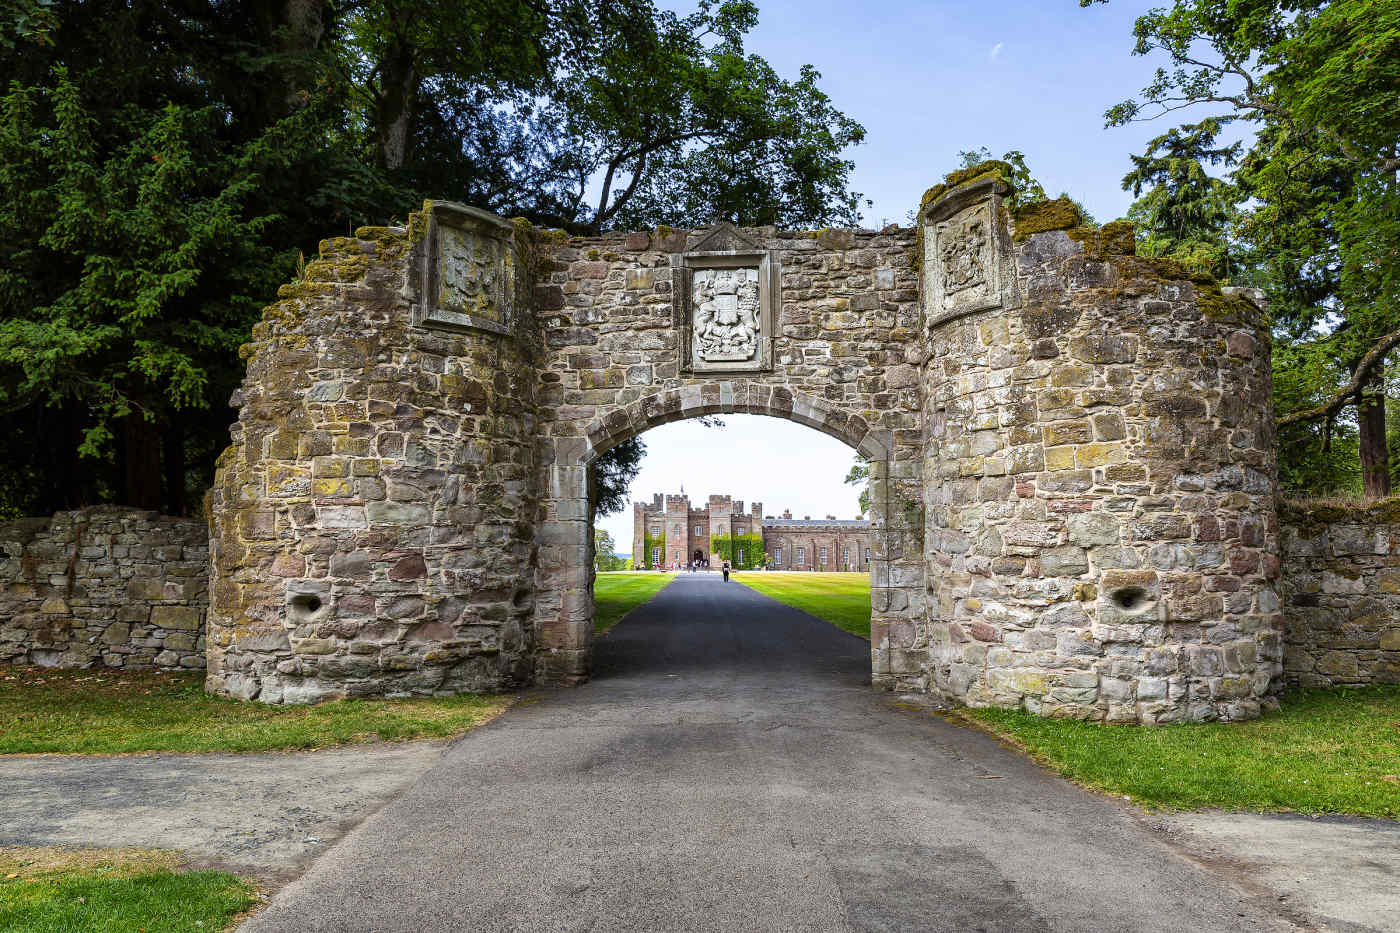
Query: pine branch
(1373, 358)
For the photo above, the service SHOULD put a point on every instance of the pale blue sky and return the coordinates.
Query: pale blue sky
(929, 79)
(926, 80)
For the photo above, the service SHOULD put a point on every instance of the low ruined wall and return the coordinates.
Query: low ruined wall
(104, 587)
(1341, 589)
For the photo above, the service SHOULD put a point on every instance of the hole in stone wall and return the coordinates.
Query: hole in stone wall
(521, 599)
(1130, 598)
(304, 606)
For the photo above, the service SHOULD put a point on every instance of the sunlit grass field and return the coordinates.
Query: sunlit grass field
(110, 712)
(843, 599)
(617, 593)
(1335, 751)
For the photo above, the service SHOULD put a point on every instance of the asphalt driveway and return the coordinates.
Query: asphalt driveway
(729, 768)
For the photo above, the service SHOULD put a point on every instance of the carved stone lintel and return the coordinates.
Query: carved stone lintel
(467, 272)
(964, 256)
(727, 295)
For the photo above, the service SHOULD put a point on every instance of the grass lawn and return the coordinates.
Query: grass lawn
(113, 890)
(108, 712)
(1323, 752)
(843, 599)
(617, 593)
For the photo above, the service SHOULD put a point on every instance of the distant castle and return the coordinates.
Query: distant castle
(668, 532)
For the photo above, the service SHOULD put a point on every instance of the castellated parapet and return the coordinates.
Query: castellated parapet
(1072, 486)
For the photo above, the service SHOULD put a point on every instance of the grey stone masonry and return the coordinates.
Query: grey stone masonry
(1341, 592)
(104, 587)
(1071, 447)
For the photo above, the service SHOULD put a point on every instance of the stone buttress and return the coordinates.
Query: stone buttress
(373, 520)
(1099, 473)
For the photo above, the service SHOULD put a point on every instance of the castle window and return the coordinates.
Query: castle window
(699, 531)
(821, 556)
(846, 557)
(741, 556)
(655, 531)
(801, 556)
(778, 556)
(867, 555)
(656, 555)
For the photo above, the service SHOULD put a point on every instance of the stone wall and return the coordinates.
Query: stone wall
(373, 528)
(1071, 447)
(1099, 475)
(104, 587)
(839, 324)
(1341, 592)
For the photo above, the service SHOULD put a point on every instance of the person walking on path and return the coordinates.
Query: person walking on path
(725, 570)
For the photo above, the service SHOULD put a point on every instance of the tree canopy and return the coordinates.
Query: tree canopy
(1311, 208)
(164, 166)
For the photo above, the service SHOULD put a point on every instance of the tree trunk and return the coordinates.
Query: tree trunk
(394, 111)
(1375, 461)
(141, 467)
(174, 444)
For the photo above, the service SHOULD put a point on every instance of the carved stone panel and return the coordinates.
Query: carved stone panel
(726, 303)
(468, 271)
(963, 255)
(725, 327)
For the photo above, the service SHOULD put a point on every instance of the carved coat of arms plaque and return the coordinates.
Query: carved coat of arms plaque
(726, 303)
(963, 256)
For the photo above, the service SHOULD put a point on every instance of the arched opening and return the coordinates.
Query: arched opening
(565, 635)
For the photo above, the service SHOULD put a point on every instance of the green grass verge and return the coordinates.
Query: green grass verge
(843, 599)
(1322, 752)
(107, 712)
(119, 891)
(618, 593)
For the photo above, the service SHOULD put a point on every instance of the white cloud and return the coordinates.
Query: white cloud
(995, 52)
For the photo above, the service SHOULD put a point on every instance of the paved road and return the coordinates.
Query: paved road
(729, 768)
(266, 815)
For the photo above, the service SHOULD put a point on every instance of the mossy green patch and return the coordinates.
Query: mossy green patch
(1311, 515)
(1059, 214)
(1113, 239)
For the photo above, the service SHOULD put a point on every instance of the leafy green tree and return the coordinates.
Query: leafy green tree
(859, 475)
(604, 552)
(1186, 213)
(1319, 82)
(674, 122)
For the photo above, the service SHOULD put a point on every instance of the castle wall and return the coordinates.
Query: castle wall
(1072, 457)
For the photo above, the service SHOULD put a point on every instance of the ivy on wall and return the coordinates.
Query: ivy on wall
(649, 543)
(726, 547)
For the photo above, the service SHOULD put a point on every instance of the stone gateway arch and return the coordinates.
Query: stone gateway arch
(1073, 467)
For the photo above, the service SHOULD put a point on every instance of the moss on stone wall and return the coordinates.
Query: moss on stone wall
(1059, 214)
(1112, 239)
(1312, 513)
(964, 175)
